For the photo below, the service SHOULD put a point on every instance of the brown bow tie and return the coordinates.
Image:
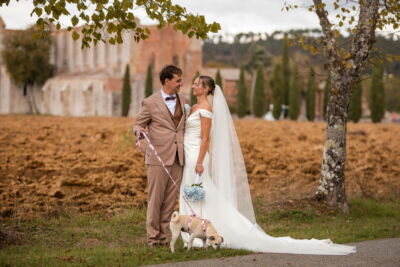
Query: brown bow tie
(168, 98)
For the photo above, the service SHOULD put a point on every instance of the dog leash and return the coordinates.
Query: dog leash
(161, 161)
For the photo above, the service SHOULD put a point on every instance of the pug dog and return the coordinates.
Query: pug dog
(196, 227)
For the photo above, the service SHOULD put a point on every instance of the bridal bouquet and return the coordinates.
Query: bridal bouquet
(195, 192)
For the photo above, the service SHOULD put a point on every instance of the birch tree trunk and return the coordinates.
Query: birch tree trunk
(332, 184)
(345, 70)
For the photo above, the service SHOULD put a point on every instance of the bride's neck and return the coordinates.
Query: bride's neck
(202, 99)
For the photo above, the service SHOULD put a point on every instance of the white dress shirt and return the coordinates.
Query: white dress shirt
(171, 104)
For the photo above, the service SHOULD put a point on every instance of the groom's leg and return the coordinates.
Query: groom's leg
(156, 184)
(171, 193)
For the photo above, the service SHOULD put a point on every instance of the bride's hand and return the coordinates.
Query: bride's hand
(199, 169)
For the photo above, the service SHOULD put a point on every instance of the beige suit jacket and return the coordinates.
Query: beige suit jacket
(166, 138)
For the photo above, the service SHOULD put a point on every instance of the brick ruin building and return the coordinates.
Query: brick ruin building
(89, 82)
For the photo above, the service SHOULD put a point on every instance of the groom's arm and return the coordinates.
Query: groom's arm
(143, 119)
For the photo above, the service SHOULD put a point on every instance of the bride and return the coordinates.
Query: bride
(213, 151)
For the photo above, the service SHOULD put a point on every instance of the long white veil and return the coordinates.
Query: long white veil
(228, 170)
(228, 202)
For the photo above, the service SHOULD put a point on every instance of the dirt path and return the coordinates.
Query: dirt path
(384, 252)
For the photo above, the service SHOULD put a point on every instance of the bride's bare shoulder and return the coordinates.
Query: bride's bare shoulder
(206, 107)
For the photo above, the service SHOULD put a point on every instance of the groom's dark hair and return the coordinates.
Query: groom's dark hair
(168, 73)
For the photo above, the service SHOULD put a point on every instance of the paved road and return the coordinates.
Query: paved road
(383, 252)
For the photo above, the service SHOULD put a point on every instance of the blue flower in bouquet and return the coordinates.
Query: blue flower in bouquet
(195, 192)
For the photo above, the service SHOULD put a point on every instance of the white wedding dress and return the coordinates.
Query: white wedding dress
(234, 222)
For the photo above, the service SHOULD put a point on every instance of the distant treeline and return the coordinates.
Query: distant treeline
(237, 50)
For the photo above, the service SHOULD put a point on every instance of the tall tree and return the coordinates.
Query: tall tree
(327, 89)
(242, 95)
(218, 78)
(310, 95)
(294, 96)
(377, 104)
(345, 64)
(257, 55)
(126, 92)
(106, 20)
(259, 97)
(286, 76)
(149, 81)
(193, 98)
(392, 94)
(355, 108)
(276, 85)
(27, 59)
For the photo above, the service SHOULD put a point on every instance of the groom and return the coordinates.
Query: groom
(162, 117)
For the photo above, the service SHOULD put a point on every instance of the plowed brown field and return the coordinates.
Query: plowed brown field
(52, 164)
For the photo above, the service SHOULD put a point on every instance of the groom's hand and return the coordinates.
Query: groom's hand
(139, 132)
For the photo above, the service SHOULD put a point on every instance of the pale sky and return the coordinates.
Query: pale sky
(233, 15)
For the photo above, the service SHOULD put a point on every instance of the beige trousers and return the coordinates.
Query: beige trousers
(161, 197)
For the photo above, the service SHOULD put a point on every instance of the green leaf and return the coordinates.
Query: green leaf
(47, 9)
(74, 21)
(75, 35)
(38, 11)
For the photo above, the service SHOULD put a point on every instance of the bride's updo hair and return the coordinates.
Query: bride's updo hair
(207, 81)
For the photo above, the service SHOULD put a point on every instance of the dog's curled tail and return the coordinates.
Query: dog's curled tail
(175, 216)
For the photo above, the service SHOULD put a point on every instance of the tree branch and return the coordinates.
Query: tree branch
(365, 35)
(331, 42)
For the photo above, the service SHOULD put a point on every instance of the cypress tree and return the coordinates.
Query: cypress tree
(276, 86)
(193, 99)
(241, 99)
(310, 96)
(149, 81)
(218, 78)
(259, 97)
(294, 96)
(355, 110)
(126, 92)
(327, 89)
(286, 75)
(377, 95)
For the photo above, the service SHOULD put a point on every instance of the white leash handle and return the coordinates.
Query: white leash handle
(198, 178)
